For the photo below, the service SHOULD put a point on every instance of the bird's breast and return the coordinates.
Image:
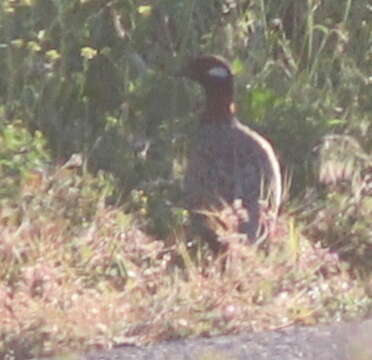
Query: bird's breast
(223, 166)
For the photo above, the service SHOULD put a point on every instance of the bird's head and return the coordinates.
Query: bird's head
(212, 72)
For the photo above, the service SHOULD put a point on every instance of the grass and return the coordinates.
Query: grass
(79, 274)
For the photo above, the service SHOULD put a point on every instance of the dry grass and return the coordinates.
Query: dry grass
(76, 273)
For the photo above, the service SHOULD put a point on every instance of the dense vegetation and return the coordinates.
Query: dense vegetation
(103, 231)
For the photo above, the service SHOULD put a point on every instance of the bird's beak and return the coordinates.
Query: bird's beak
(183, 69)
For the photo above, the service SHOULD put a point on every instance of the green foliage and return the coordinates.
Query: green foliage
(94, 76)
(19, 153)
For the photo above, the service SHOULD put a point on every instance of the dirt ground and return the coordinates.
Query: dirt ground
(344, 341)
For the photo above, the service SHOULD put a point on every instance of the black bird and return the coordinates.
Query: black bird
(228, 162)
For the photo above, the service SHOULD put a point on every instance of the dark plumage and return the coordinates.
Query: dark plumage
(227, 160)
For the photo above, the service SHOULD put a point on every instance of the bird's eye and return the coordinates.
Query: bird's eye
(218, 72)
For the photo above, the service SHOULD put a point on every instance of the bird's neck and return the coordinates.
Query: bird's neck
(220, 107)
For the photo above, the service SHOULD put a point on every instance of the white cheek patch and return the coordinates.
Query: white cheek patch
(219, 72)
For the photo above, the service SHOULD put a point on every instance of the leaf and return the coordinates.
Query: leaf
(145, 10)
